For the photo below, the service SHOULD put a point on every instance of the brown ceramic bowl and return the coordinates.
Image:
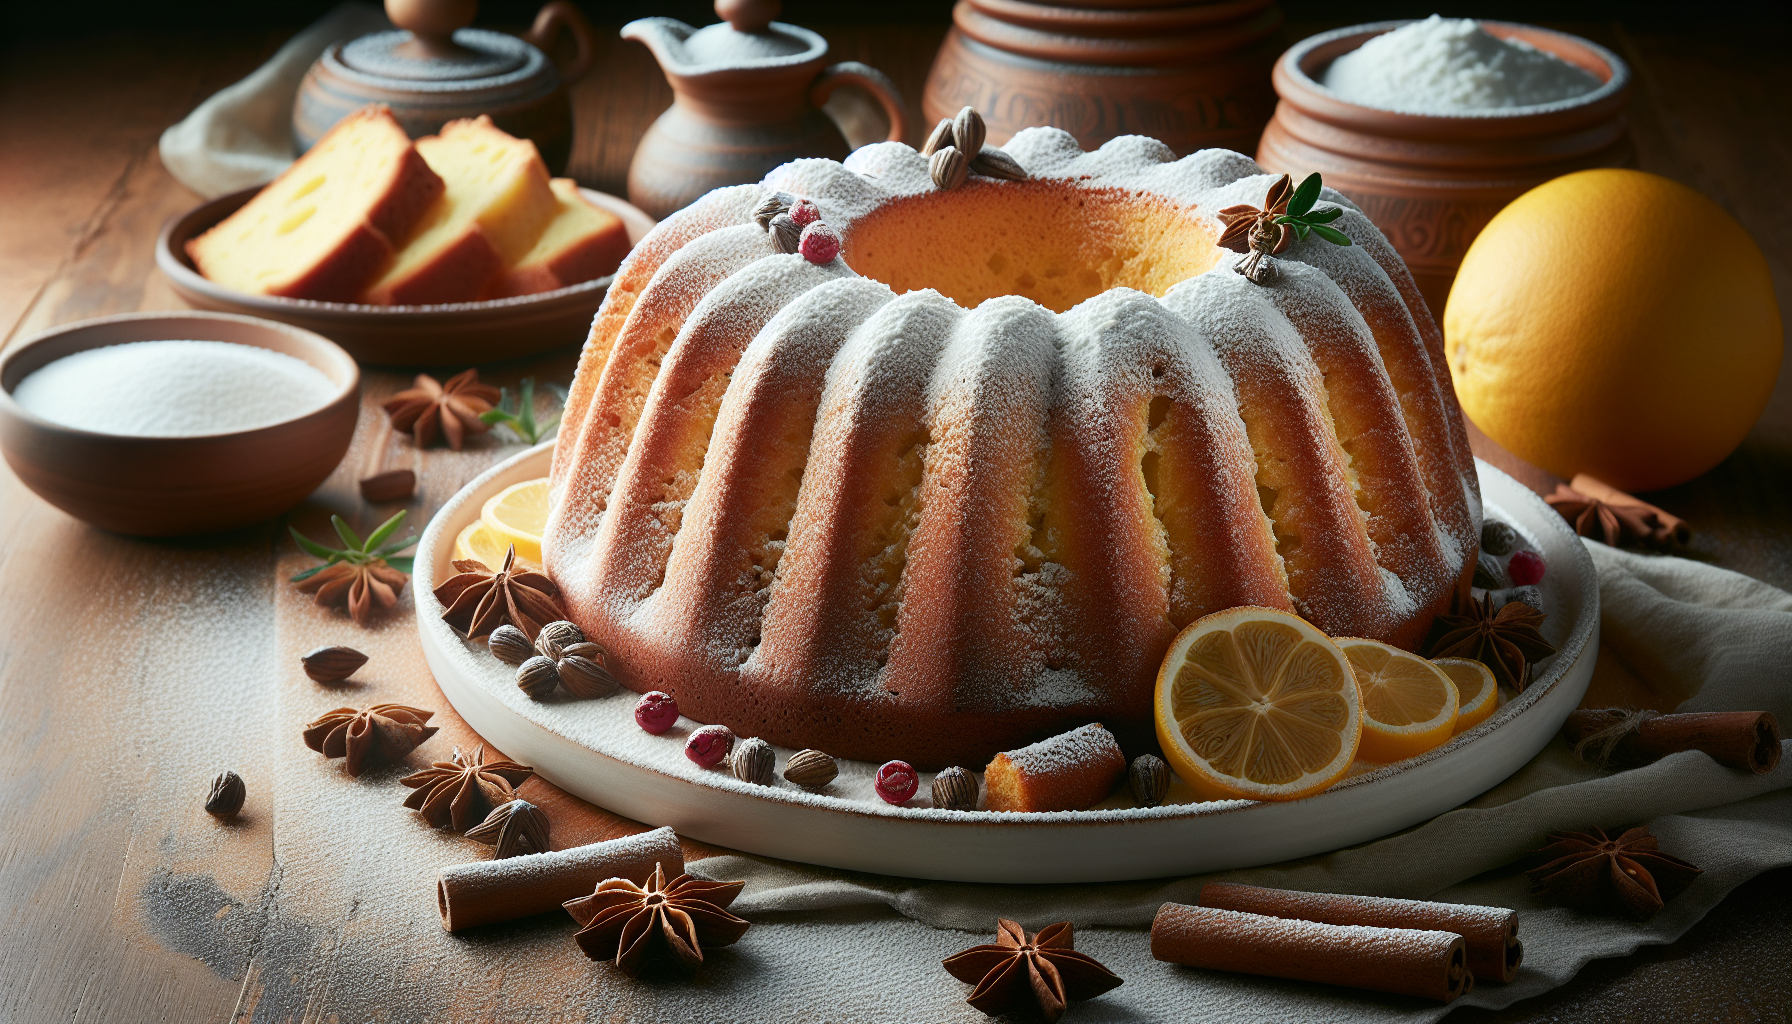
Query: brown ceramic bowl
(1431, 182)
(451, 334)
(171, 486)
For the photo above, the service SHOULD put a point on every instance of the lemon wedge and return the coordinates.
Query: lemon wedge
(517, 515)
(480, 543)
(1409, 705)
(1476, 690)
(1257, 704)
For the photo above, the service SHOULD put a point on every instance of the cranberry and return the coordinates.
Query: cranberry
(897, 781)
(656, 711)
(1525, 568)
(708, 745)
(805, 212)
(819, 243)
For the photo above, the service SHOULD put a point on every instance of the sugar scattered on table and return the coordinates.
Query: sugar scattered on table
(173, 389)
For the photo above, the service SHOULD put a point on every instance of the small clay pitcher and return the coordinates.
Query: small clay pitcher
(435, 69)
(1431, 182)
(1193, 74)
(747, 97)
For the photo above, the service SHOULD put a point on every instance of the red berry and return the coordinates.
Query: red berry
(656, 711)
(897, 781)
(1525, 568)
(805, 212)
(819, 243)
(707, 745)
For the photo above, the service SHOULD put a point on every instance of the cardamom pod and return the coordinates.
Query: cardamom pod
(1488, 575)
(515, 828)
(774, 204)
(787, 234)
(955, 789)
(557, 635)
(993, 163)
(226, 796)
(583, 672)
(940, 136)
(753, 761)
(1149, 779)
(948, 167)
(1497, 538)
(332, 664)
(968, 132)
(510, 645)
(537, 677)
(810, 769)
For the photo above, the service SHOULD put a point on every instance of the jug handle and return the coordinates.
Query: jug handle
(873, 81)
(555, 16)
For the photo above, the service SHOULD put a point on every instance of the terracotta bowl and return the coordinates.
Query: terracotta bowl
(172, 486)
(1432, 182)
(450, 334)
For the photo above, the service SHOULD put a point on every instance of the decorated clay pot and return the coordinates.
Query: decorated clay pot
(1431, 182)
(1195, 75)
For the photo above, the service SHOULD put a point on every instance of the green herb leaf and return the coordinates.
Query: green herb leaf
(394, 547)
(384, 531)
(526, 409)
(1301, 228)
(1332, 235)
(1325, 216)
(401, 564)
(308, 573)
(348, 536)
(310, 546)
(1305, 196)
(494, 416)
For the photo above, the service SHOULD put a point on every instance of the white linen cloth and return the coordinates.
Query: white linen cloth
(242, 135)
(1710, 639)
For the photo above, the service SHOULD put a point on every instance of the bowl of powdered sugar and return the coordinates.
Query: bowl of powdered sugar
(1432, 126)
(164, 424)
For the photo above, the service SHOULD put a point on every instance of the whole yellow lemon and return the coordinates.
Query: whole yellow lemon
(1616, 323)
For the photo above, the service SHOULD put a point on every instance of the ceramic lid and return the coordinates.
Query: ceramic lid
(747, 38)
(475, 54)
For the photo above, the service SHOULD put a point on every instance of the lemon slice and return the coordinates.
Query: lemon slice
(481, 544)
(1256, 704)
(1476, 690)
(517, 515)
(1409, 705)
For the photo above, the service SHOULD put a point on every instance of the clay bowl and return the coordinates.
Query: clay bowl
(1431, 182)
(171, 486)
(450, 334)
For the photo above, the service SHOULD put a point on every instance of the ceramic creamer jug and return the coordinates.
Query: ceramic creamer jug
(747, 97)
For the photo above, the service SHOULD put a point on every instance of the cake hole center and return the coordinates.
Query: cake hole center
(1052, 241)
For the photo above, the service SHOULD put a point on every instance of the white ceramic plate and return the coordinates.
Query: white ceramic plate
(595, 750)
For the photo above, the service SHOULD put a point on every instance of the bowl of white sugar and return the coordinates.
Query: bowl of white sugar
(166, 424)
(1431, 127)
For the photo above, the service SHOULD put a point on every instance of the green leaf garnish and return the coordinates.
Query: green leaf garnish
(517, 413)
(348, 536)
(1305, 195)
(1305, 220)
(356, 551)
(1332, 235)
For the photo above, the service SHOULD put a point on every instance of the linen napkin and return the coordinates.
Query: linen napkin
(1676, 634)
(242, 135)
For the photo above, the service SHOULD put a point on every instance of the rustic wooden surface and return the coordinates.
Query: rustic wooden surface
(131, 670)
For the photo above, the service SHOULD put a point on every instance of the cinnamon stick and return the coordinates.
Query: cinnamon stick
(486, 891)
(1667, 528)
(1408, 961)
(1490, 933)
(1746, 740)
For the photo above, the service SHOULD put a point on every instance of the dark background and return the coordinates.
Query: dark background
(23, 19)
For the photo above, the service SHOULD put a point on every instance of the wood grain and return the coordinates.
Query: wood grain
(131, 671)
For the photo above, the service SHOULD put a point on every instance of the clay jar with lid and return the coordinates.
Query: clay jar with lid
(1431, 182)
(1194, 75)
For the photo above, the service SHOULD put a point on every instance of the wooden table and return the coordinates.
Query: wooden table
(131, 670)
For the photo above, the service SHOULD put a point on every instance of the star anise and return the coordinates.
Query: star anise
(462, 792)
(633, 925)
(452, 409)
(477, 600)
(358, 574)
(1287, 213)
(1505, 640)
(1243, 221)
(1628, 875)
(1614, 524)
(1044, 966)
(386, 731)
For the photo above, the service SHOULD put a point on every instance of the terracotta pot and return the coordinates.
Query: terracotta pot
(1431, 182)
(1194, 75)
(172, 486)
(747, 98)
(435, 70)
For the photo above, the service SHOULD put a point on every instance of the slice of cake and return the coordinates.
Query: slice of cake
(329, 225)
(583, 241)
(497, 204)
(1067, 772)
